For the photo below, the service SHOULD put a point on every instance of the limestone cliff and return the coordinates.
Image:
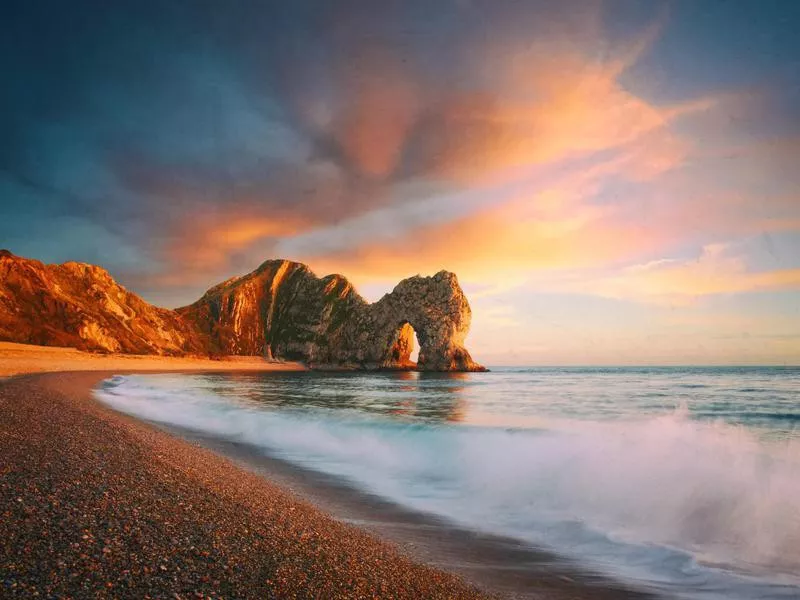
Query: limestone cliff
(280, 310)
(81, 306)
(283, 310)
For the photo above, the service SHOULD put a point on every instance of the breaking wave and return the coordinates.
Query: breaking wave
(691, 507)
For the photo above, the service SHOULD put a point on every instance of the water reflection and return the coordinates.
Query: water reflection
(407, 395)
(762, 399)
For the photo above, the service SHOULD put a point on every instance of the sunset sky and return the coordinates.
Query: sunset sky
(613, 182)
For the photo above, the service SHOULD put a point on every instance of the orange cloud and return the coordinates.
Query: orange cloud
(213, 237)
(382, 105)
(549, 230)
(362, 106)
(511, 100)
(556, 98)
(678, 282)
(551, 104)
(550, 234)
(202, 249)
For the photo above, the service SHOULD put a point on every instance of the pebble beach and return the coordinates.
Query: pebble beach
(96, 504)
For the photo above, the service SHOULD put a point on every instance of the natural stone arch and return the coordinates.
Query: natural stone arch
(281, 310)
(437, 310)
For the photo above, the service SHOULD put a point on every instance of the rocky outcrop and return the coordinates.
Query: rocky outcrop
(437, 310)
(81, 306)
(283, 310)
(280, 310)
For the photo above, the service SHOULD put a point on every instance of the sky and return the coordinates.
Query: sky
(613, 182)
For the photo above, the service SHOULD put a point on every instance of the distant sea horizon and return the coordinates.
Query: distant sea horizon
(638, 365)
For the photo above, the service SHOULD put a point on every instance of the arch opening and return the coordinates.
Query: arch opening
(403, 352)
(414, 358)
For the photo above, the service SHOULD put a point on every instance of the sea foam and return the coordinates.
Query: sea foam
(698, 509)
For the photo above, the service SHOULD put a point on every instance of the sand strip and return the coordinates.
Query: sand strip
(16, 359)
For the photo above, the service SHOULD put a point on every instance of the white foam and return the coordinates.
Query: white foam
(650, 498)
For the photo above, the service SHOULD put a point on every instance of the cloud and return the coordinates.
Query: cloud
(378, 105)
(501, 140)
(408, 172)
(718, 269)
(546, 230)
(215, 238)
(549, 110)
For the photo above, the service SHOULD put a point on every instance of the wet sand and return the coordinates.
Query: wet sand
(94, 503)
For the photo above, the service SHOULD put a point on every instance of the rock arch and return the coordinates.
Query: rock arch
(437, 310)
(284, 310)
(280, 310)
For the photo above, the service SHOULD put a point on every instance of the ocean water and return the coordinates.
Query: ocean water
(682, 480)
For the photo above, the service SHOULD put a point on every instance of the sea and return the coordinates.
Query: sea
(683, 480)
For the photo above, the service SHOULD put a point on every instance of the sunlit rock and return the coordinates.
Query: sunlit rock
(281, 310)
(80, 305)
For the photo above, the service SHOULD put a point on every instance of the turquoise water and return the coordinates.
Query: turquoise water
(682, 480)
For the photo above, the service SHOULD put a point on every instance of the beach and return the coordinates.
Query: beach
(23, 358)
(95, 503)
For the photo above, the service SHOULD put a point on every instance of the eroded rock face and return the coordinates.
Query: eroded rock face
(280, 310)
(438, 311)
(81, 306)
(283, 310)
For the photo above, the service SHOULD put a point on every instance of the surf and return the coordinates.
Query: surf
(695, 507)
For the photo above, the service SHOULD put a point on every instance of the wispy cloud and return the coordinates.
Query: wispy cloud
(718, 269)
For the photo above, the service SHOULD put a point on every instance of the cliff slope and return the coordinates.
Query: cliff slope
(81, 306)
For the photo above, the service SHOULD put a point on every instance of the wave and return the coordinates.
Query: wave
(785, 418)
(683, 504)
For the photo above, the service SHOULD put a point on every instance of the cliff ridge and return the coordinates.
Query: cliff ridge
(81, 306)
(280, 310)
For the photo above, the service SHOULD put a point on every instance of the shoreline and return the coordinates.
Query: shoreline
(497, 564)
(98, 504)
(21, 359)
(298, 534)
